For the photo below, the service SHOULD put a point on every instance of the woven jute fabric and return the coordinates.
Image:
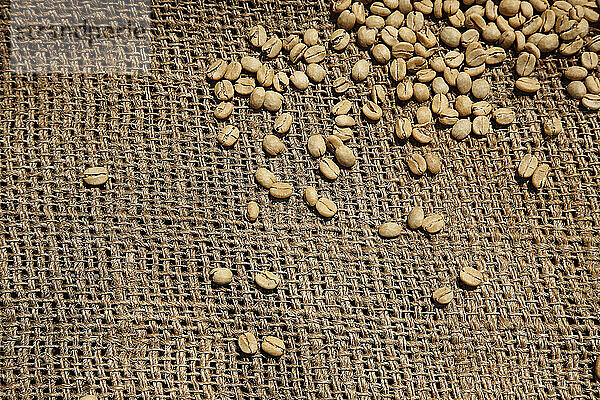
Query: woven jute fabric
(106, 290)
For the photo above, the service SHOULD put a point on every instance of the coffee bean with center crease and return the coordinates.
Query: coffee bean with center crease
(216, 70)
(233, 71)
(329, 168)
(433, 223)
(416, 164)
(95, 176)
(326, 207)
(281, 190)
(244, 86)
(471, 276)
(443, 295)
(247, 343)
(390, 230)
(273, 346)
(283, 123)
(316, 145)
(504, 116)
(339, 40)
(525, 64)
(315, 54)
(341, 84)
(553, 125)
(527, 166)
(223, 110)
(224, 90)
(403, 128)
(257, 35)
(265, 177)
(228, 135)
(272, 47)
(591, 101)
(341, 108)
(540, 176)
(266, 280)
(481, 125)
(372, 111)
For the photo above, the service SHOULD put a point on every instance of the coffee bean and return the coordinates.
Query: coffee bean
(360, 70)
(329, 168)
(272, 345)
(589, 60)
(265, 75)
(415, 21)
(575, 73)
(416, 164)
(233, 71)
(439, 103)
(223, 110)
(339, 39)
(341, 85)
(480, 88)
(403, 50)
(591, 101)
(95, 176)
(338, 6)
(265, 177)
(471, 276)
(450, 36)
(434, 164)
(454, 59)
(316, 73)
(540, 176)
(378, 94)
(592, 84)
(424, 115)
(427, 37)
(372, 111)
(299, 80)
(257, 35)
(525, 64)
(272, 145)
(527, 166)
(403, 128)
(273, 101)
(461, 129)
(481, 108)
(311, 37)
(266, 280)
(504, 116)
(481, 125)
(448, 116)
(244, 86)
(507, 38)
(569, 49)
(425, 75)
(415, 217)
(283, 123)
(443, 296)
(326, 207)
(463, 83)
(344, 121)
(221, 276)
(366, 37)
(272, 47)
(381, 53)
(475, 71)
(297, 52)
(374, 21)
(315, 54)
(316, 145)
(475, 55)
(463, 105)
(344, 134)
(576, 89)
(597, 368)
(404, 90)
(419, 133)
(310, 195)
(509, 8)
(257, 98)
(342, 107)
(290, 41)
(345, 156)
(224, 90)
(421, 92)
(252, 211)
(439, 86)
(228, 135)
(416, 63)
(333, 142)
(216, 70)
(250, 64)
(553, 126)
(397, 69)
(390, 230)
(395, 19)
(433, 223)
(247, 343)
(281, 190)
(527, 84)
(389, 35)
(549, 43)
(450, 76)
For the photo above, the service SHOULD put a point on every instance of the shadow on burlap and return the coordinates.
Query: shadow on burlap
(106, 290)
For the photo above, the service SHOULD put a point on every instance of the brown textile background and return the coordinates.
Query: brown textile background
(106, 290)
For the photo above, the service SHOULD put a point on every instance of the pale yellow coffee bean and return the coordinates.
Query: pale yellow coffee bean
(329, 168)
(272, 145)
(403, 50)
(381, 53)
(540, 176)
(257, 98)
(389, 230)
(344, 121)
(372, 111)
(424, 115)
(439, 86)
(434, 164)
(425, 75)
(416, 63)
(443, 296)
(247, 343)
(415, 217)
(339, 40)
(471, 276)
(344, 134)
(397, 69)
(553, 125)
(326, 207)
(592, 84)
(591, 101)
(297, 52)
(311, 37)
(283, 123)
(224, 90)
(549, 43)
(366, 37)
(504, 116)
(315, 54)
(463, 83)
(233, 71)
(475, 55)
(469, 36)
(416, 164)
(450, 36)
(527, 166)
(257, 35)
(281, 190)
(272, 47)
(576, 89)
(95, 176)
(375, 22)
(342, 107)
(475, 71)
(316, 145)
(378, 94)
(311, 196)
(265, 75)
(290, 41)
(333, 142)
(221, 276)
(299, 80)
(439, 102)
(461, 129)
(252, 211)
(341, 85)
(509, 8)
(589, 60)
(454, 59)
(244, 86)
(223, 110)
(403, 128)
(265, 177)
(216, 70)
(481, 108)
(316, 72)
(273, 101)
(272, 345)
(250, 64)
(266, 280)
(480, 88)
(574, 73)
(448, 116)
(360, 70)
(389, 36)
(395, 19)
(433, 223)
(228, 135)
(571, 48)
(420, 134)
(527, 84)
(525, 64)
(404, 91)
(481, 125)
(450, 76)
(345, 156)
(463, 105)
(421, 92)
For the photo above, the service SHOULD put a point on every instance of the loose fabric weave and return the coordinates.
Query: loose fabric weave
(106, 290)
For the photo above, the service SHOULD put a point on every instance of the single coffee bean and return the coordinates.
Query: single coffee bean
(381, 53)
(221, 276)
(316, 73)
(427, 38)
(333, 142)
(448, 116)
(228, 135)
(223, 110)
(509, 8)
(315, 54)
(439, 102)
(311, 37)
(344, 121)
(342, 107)
(297, 52)
(416, 164)
(257, 98)
(553, 126)
(450, 76)
(415, 21)
(592, 84)
(469, 36)
(265, 177)
(338, 6)
(504, 116)
(433, 223)
(266, 280)
(272, 345)
(95, 176)
(475, 71)
(425, 75)
(252, 211)
(416, 63)
(273, 101)
(360, 70)
(311, 196)
(341, 85)
(344, 134)
(527, 84)
(224, 90)
(339, 40)
(450, 36)
(216, 70)
(464, 105)
(463, 83)
(576, 89)
(397, 69)
(549, 43)
(439, 86)
(480, 88)
(329, 168)
(589, 60)
(461, 129)
(372, 111)
(575, 73)
(345, 156)
(390, 230)
(481, 108)
(299, 80)
(366, 37)
(424, 115)
(443, 296)
(403, 128)
(495, 55)
(434, 164)
(326, 207)
(272, 47)
(454, 59)
(415, 217)
(540, 176)
(475, 55)
(591, 101)
(378, 94)
(283, 123)
(265, 75)
(272, 145)
(403, 50)
(290, 41)
(395, 19)
(471, 276)
(247, 343)
(244, 86)
(404, 91)
(374, 21)
(527, 166)
(525, 64)
(571, 48)
(481, 125)
(233, 71)
(316, 145)
(420, 134)
(421, 92)
(250, 64)
(257, 35)
(281, 190)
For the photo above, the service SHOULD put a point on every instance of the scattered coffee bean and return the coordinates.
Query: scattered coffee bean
(272, 345)
(381, 53)
(480, 88)
(540, 176)
(344, 134)
(224, 90)
(272, 47)
(404, 91)
(257, 35)
(372, 111)
(316, 145)
(311, 196)
(341, 85)
(316, 73)
(216, 70)
(221, 276)
(553, 126)
(471, 276)
(416, 164)
(443, 295)
(273, 101)
(415, 217)
(461, 129)
(448, 116)
(311, 37)
(272, 145)
(360, 70)
(266, 280)
(290, 41)
(281, 190)
(265, 177)
(244, 86)
(463, 105)
(283, 123)
(504, 116)
(299, 80)
(252, 211)
(344, 121)
(345, 156)
(481, 125)
(339, 40)
(250, 64)
(527, 84)
(297, 52)
(421, 135)
(527, 166)
(434, 164)
(433, 223)
(329, 168)
(233, 71)
(247, 343)
(481, 108)
(228, 135)
(591, 101)
(341, 108)
(95, 176)
(326, 207)
(403, 128)
(315, 54)
(223, 110)
(390, 230)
